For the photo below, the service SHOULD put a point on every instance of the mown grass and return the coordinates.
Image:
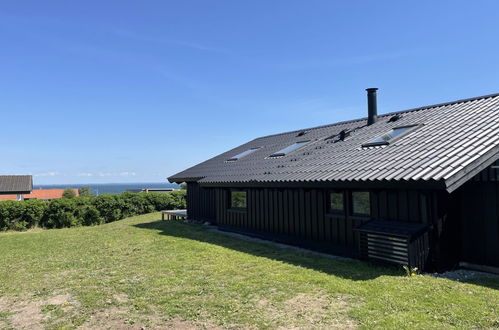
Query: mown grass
(145, 272)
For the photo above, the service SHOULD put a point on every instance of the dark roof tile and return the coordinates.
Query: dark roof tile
(454, 140)
(15, 184)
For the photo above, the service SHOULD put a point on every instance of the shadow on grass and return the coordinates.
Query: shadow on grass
(344, 268)
(492, 283)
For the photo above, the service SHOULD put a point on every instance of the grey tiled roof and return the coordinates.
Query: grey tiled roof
(456, 140)
(11, 184)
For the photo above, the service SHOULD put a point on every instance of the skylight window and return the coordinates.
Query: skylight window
(391, 136)
(242, 154)
(288, 149)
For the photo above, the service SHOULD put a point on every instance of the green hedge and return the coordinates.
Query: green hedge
(85, 211)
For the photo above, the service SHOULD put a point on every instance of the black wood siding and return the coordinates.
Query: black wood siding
(200, 203)
(479, 206)
(300, 215)
(464, 225)
(477, 202)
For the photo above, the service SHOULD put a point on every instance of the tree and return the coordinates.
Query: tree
(85, 191)
(68, 193)
(183, 186)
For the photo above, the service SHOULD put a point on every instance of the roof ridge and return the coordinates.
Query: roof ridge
(311, 128)
(4, 175)
(437, 105)
(431, 106)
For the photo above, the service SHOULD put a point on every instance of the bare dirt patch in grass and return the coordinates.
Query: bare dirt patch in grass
(121, 298)
(21, 314)
(30, 312)
(122, 318)
(311, 310)
(178, 323)
(119, 315)
(59, 299)
(111, 318)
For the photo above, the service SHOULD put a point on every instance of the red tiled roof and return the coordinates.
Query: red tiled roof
(47, 194)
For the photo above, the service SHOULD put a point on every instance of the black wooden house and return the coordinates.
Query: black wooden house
(417, 187)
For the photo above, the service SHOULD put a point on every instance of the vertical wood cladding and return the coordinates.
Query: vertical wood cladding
(201, 202)
(479, 206)
(464, 225)
(300, 215)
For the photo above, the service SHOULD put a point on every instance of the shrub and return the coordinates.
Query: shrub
(108, 206)
(91, 216)
(64, 220)
(21, 215)
(68, 193)
(86, 211)
(178, 200)
(134, 204)
(85, 191)
(62, 213)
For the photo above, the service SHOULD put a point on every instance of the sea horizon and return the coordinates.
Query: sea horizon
(101, 183)
(110, 188)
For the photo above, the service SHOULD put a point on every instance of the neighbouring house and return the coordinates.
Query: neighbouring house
(418, 187)
(12, 187)
(47, 194)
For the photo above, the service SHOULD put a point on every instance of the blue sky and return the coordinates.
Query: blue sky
(134, 91)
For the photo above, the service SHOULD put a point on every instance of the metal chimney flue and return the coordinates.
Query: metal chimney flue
(372, 106)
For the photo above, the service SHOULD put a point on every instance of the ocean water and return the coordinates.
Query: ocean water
(112, 188)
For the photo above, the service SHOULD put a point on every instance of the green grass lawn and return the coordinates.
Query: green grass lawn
(143, 272)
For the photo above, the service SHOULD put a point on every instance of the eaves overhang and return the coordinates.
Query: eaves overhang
(421, 184)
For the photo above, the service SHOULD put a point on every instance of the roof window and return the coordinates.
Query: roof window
(242, 154)
(391, 136)
(288, 149)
